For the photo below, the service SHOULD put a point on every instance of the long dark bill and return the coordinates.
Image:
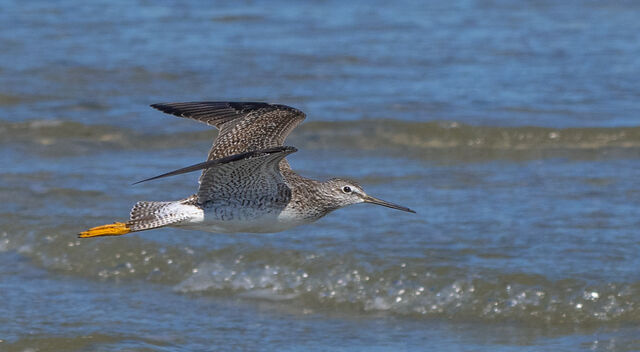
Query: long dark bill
(373, 200)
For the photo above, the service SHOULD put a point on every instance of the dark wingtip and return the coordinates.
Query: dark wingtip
(164, 107)
(289, 149)
(227, 159)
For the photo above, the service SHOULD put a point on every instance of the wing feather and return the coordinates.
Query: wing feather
(211, 163)
(256, 180)
(244, 126)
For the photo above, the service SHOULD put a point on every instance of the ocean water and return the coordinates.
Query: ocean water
(511, 127)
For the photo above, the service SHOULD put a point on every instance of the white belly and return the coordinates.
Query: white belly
(245, 221)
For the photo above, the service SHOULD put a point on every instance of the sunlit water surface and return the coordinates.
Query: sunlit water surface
(509, 128)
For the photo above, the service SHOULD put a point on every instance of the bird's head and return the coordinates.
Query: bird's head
(346, 192)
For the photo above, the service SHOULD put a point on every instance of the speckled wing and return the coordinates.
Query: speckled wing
(250, 181)
(244, 126)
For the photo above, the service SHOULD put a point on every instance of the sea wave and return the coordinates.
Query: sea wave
(325, 281)
(418, 139)
(416, 290)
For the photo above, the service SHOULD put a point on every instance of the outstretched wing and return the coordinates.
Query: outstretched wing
(244, 127)
(211, 163)
(252, 181)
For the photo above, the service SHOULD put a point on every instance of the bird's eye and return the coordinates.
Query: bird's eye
(346, 189)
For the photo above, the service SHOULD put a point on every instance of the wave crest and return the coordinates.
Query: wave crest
(413, 289)
(393, 135)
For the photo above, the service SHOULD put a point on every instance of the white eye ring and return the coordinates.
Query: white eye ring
(346, 189)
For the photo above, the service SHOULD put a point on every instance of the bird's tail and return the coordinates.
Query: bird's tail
(144, 216)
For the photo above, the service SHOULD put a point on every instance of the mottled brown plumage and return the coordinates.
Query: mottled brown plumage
(243, 126)
(246, 184)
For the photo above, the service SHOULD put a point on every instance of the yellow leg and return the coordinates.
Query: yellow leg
(115, 229)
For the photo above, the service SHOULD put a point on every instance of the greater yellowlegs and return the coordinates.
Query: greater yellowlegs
(246, 183)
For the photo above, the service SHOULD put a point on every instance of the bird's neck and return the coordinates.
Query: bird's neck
(308, 196)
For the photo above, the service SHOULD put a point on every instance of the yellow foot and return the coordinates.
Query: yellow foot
(115, 229)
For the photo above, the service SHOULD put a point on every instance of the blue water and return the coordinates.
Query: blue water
(512, 128)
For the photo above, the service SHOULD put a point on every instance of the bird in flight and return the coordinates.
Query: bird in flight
(246, 183)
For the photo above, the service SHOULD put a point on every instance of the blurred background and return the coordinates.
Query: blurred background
(511, 127)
